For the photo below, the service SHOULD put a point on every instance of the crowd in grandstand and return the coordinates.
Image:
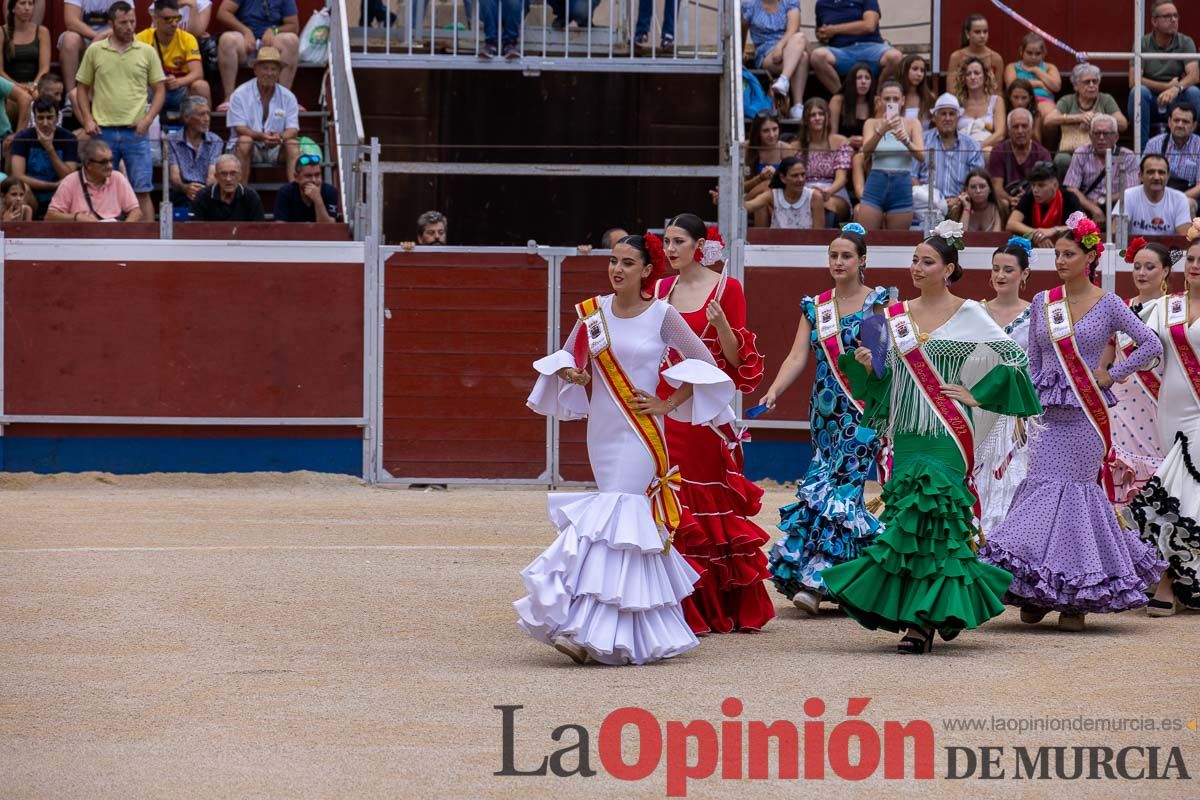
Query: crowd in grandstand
(1005, 146)
(90, 116)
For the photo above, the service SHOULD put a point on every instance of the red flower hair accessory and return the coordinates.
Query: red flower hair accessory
(1130, 253)
(713, 249)
(658, 261)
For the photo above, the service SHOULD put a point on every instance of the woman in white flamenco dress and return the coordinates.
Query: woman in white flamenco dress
(609, 588)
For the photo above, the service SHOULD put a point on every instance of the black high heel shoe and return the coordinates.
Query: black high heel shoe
(916, 642)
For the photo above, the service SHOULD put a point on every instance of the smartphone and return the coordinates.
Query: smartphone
(891, 110)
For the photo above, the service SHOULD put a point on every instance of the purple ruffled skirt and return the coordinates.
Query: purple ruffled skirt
(1061, 540)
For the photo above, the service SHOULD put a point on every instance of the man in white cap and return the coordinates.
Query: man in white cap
(953, 156)
(264, 118)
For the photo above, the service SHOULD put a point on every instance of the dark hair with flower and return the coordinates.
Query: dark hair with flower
(1130, 252)
(651, 248)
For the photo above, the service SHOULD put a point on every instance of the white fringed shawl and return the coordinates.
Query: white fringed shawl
(964, 349)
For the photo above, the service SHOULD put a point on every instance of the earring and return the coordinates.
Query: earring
(1166, 287)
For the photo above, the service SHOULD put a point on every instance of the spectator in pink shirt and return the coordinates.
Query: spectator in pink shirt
(94, 193)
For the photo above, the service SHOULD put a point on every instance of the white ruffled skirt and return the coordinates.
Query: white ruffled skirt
(605, 582)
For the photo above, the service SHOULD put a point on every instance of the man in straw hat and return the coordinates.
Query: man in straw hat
(264, 118)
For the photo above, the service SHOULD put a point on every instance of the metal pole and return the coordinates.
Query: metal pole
(1139, 27)
(728, 182)
(930, 207)
(374, 244)
(1108, 193)
(166, 213)
(937, 35)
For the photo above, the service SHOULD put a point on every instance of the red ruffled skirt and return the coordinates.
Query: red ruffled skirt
(716, 535)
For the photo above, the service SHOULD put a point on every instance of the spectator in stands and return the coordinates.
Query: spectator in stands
(1043, 78)
(953, 156)
(44, 154)
(848, 31)
(308, 198)
(253, 25)
(918, 97)
(509, 16)
(264, 118)
(95, 192)
(645, 16)
(764, 150)
(978, 208)
(1181, 146)
(1164, 82)
(1086, 179)
(25, 53)
(227, 200)
(1041, 214)
(1074, 112)
(565, 12)
(893, 143)
(779, 47)
(974, 44)
(1019, 94)
(431, 230)
(982, 117)
(790, 203)
(197, 14)
(1012, 159)
(178, 53)
(113, 81)
(19, 99)
(607, 240)
(14, 194)
(827, 159)
(84, 23)
(194, 151)
(1154, 209)
(850, 108)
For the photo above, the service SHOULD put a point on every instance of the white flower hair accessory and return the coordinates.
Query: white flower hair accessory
(951, 231)
(712, 252)
(1075, 218)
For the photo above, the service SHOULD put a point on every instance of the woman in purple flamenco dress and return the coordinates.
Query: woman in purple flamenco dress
(1061, 539)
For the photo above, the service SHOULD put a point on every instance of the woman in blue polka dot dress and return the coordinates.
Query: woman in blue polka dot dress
(828, 523)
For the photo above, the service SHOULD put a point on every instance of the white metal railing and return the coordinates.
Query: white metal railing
(598, 35)
(347, 118)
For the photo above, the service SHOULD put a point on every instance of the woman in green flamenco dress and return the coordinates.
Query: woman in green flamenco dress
(949, 370)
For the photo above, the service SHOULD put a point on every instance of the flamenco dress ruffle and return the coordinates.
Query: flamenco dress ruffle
(1167, 512)
(605, 583)
(921, 571)
(715, 533)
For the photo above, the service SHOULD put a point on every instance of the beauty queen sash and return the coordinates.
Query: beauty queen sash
(912, 354)
(829, 335)
(663, 490)
(1091, 399)
(1149, 381)
(1177, 323)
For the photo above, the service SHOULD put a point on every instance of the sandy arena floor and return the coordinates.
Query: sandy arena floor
(308, 637)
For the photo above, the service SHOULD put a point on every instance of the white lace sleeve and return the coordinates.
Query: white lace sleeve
(680, 337)
(551, 396)
(713, 390)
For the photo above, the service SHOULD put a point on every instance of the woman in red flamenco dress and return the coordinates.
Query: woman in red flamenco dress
(715, 534)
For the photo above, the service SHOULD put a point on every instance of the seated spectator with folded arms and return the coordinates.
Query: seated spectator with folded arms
(94, 192)
(264, 118)
(44, 154)
(1042, 212)
(194, 152)
(791, 203)
(307, 198)
(227, 200)
(179, 54)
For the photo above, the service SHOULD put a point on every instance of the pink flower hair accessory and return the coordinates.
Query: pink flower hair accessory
(1087, 233)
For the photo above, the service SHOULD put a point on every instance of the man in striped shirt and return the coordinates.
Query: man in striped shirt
(1181, 147)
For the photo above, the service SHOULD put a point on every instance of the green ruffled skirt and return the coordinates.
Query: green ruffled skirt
(921, 571)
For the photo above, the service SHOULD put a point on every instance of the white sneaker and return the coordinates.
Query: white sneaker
(796, 113)
(807, 601)
(782, 85)
(566, 646)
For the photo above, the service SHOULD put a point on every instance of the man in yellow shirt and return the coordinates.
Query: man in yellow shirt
(179, 53)
(111, 87)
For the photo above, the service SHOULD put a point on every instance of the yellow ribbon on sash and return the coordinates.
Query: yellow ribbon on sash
(663, 491)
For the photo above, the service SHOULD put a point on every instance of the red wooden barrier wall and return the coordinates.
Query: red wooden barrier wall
(462, 334)
(210, 338)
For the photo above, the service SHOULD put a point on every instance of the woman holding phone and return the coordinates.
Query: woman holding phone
(892, 142)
